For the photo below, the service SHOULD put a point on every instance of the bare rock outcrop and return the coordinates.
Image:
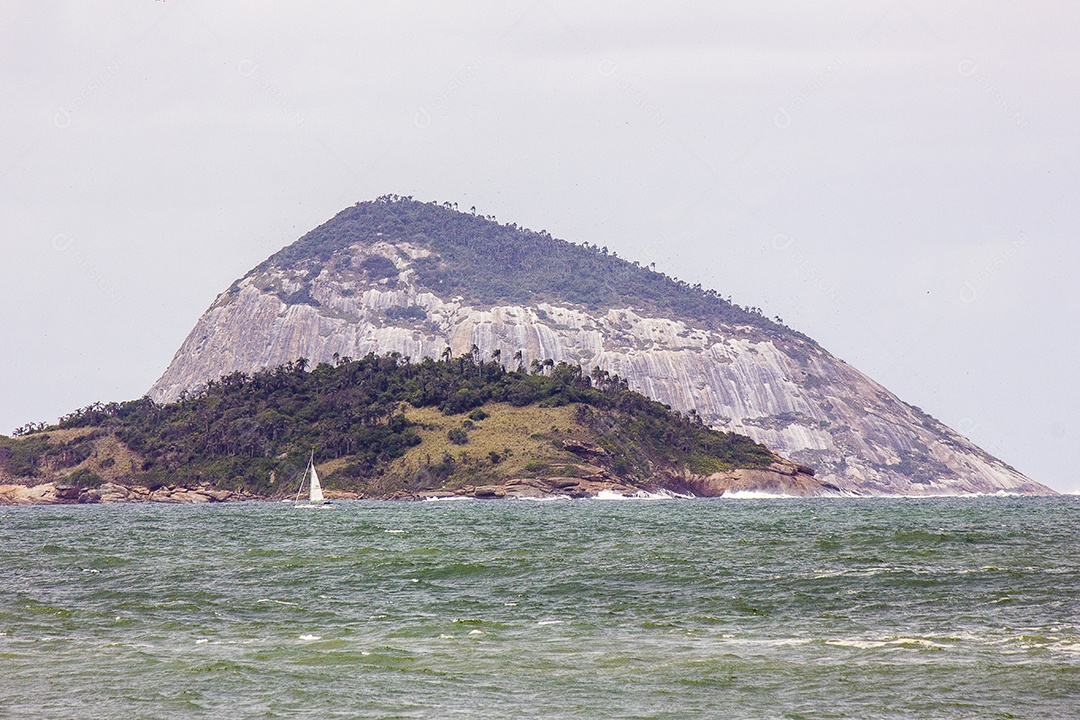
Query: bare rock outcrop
(778, 387)
(50, 494)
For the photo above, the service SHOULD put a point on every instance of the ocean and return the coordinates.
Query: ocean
(719, 608)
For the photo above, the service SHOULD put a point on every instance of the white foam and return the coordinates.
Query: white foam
(860, 644)
(771, 642)
(550, 498)
(432, 498)
(921, 642)
(758, 495)
(639, 495)
(309, 636)
(871, 644)
(962, 495)
(549, 622)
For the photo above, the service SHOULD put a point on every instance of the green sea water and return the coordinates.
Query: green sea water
(843, 608)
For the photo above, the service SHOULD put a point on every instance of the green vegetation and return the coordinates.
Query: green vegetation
(378, 267)
(374, 416)
(38, 451)
(406, 313)
(487, 263)
(83, 478)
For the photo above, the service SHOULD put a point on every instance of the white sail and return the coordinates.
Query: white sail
(315, 490)
(315, 496)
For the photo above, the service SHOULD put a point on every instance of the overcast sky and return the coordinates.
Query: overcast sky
(899, 180)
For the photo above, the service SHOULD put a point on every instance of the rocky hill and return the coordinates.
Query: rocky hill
(396, 275)
(386, 427)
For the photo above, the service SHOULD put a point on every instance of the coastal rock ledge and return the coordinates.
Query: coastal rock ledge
(782, 478)
(53, 494)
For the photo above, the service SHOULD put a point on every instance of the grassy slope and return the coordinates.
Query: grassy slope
(521, 437)
(108, 458)
(384, 423)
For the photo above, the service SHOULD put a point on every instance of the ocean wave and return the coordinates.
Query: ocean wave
(903, 642)
(661, 494)
(758, 495)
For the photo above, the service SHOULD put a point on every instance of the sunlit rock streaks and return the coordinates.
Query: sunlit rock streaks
(783, 391)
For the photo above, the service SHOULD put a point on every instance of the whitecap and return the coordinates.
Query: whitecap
(758, 495)
(1068, 648)
(860, 644)
(863, 644)
(639, 495)
(921, 642)
(549, 622)
(309, 636)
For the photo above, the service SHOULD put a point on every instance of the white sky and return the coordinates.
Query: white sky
(899, 180)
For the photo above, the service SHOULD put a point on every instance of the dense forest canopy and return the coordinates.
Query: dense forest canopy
(487, 263)
(240, 431)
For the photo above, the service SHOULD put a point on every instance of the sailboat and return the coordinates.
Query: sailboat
(315, 496)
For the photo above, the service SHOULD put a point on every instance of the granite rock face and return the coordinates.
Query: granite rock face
(50, 493)
(779, 388)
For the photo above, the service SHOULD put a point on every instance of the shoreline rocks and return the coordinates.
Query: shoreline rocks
(51, 494)
(782, 478)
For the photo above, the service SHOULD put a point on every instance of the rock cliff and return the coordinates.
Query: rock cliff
(368, 287)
